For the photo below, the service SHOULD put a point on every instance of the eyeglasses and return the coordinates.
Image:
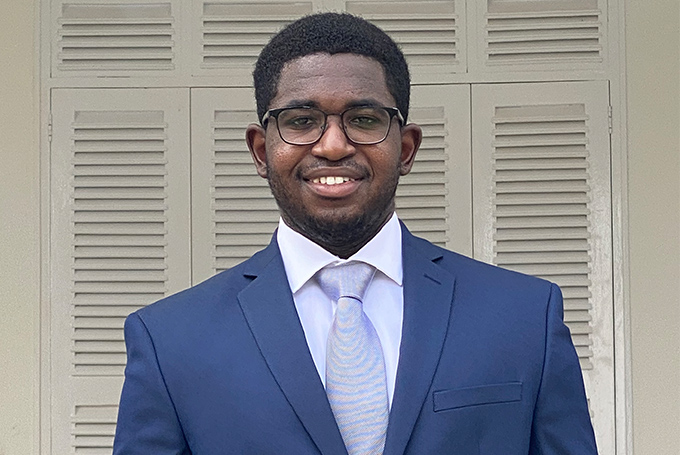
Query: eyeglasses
(305, 125)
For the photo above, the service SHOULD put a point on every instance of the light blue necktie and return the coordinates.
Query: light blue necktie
(355, 367)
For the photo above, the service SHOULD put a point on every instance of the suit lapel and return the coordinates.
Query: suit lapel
(428, 293)
(268, 307)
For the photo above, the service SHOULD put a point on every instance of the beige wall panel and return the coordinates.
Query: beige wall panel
(19, 231)
(652, 39)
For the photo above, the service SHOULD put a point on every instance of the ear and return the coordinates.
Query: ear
(411, 137)
(256, 138)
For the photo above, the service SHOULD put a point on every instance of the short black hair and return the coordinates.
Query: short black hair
(331, 33)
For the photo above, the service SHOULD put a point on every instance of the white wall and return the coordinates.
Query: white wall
(652, 40)
(19, 230)
(653, 84)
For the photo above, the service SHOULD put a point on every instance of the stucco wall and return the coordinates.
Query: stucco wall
(19, 231)
(652, 40)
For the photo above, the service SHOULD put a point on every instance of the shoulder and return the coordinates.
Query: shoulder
(481, 277)
(203, 300)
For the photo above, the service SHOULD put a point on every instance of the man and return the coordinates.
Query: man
(455, 356)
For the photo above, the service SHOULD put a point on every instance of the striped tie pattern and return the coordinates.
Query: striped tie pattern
(355, 367)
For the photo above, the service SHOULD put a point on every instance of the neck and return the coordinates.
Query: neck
(342, 239)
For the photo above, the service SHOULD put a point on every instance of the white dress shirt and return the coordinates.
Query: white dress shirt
(383, 302)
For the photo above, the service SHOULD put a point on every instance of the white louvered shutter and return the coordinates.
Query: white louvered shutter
(119, 240)
(228, 36)
(125, 38)
(541, 203)
(431, 33)
(434, 200)
(234, 213)
(539, 35)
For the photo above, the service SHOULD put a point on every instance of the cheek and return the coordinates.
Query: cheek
(387, 161)
(283, 161)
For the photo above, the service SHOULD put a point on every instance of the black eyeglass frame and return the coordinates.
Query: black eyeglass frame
(274, 113)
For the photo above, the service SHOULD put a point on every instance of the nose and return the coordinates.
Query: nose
(333, 144)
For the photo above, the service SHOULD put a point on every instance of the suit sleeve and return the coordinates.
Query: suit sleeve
(147, 419)
(561, 424)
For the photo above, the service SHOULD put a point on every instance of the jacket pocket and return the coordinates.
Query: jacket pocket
(477, 395)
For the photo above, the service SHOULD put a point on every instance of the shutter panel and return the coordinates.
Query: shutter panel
(233, 209)
(434, 199)
(542, 207)
(119, 241)
(541, 35)
(228, 36)
(430, 33)
(114, 39)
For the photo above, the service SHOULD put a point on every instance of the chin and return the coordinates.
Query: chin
(336, 232)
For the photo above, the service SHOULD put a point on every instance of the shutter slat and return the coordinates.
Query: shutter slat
(103, 311)
(98, 347)
(120, 288)
(239, 192)
(421, 214)
(534, 222)
(73, 33)
(421, 201)
(537, 198)
(540, 210)
(267, 204)
(551, 270)
(534, 245)
(534, 34)
(503, 164)
(137, 181)
(240, 227)
(554, 257)
(226, 216)
(546, 187)
(121, 276)
(97, 336)
(536, 235)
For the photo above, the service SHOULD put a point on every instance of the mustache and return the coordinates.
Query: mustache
(319, 163)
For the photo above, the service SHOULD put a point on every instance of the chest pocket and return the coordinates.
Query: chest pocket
(476, 396)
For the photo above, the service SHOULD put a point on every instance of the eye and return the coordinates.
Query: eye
(365, 118)
(299, 119)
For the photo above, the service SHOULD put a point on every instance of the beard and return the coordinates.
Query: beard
(338, 233)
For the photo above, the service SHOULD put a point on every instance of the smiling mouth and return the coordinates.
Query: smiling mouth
(331, 180)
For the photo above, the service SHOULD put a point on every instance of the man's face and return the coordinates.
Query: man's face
(340, 217)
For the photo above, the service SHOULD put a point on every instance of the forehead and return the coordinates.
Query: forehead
(332, 82)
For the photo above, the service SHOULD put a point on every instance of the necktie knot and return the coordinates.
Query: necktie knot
(350, 279)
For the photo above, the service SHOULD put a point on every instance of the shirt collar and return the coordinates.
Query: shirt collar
(302, 258)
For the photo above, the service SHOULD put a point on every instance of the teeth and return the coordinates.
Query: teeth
(332, 180)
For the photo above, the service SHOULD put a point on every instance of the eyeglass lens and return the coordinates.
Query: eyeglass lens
(362, 125)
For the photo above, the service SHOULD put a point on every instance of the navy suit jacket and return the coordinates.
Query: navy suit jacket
(486, 366)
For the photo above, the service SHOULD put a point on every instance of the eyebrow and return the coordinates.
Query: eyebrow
(364, 102)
